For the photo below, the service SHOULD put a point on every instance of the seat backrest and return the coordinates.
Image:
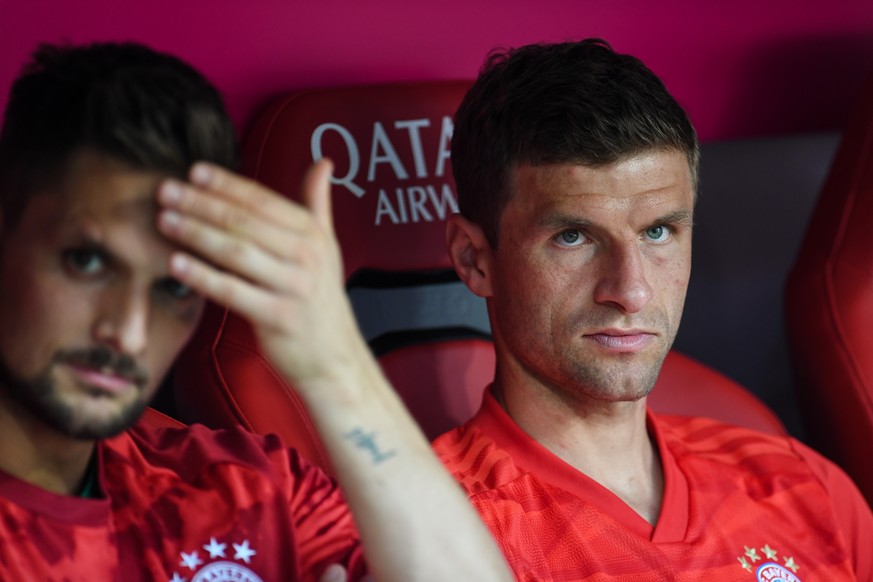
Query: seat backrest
(392, 192)
(392, 184)
(829, 306)
(687, 387)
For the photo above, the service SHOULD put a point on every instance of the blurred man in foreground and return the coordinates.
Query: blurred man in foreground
(118, 218)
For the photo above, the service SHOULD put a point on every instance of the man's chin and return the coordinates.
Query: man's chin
(55, 400)
(618, 383)
(94, 422)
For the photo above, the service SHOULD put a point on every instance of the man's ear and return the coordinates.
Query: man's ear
(471, 254)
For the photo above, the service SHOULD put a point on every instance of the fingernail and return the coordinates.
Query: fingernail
(180, 264)
(201, 173)
(170, 192)
(170, 219)
(333, 573)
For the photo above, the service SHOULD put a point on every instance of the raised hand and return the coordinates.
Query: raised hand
(271, 260)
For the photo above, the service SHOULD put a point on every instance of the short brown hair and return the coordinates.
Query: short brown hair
(142, 107)
(551, 103)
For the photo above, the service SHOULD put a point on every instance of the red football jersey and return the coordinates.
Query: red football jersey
(186, 504)
(738, 506)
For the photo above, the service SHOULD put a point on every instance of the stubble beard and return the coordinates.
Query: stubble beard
(615, 378)
(39, 395)
(622, 381)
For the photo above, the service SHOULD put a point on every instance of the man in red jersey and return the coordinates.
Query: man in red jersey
(577, 174)
(117, 219)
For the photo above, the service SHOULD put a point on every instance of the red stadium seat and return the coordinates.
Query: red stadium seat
(441, 382)
(688, 388)
(222, 380)
(829, 306)
(392, 193)
(390, 146)
(158, 419)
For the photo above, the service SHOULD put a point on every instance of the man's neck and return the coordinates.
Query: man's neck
(38, 454)
(607, 441)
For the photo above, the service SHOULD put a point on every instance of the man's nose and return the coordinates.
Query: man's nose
(123, 321)
(623, 283)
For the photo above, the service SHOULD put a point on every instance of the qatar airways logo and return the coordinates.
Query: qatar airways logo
(422, 193)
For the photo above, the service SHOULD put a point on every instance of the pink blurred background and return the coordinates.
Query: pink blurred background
(742, 68)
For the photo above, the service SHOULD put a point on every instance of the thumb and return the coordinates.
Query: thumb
(316, 192)
(334, 573)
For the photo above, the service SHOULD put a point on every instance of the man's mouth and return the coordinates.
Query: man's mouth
(622, 340)
(101, 369)
(103, 379)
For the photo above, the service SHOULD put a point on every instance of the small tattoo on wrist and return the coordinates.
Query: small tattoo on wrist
(367, 442)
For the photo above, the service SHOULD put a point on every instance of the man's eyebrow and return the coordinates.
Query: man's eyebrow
(559, 220)
(683, 217)
(82, 236)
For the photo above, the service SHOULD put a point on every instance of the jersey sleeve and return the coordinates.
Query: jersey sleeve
(852, 510)
(325, 529)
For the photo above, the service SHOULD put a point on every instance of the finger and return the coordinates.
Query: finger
(229, 252)
(242, 258)
(272, 233)
(334, 573)
(245, 192)
(249, 301)
(316, 192)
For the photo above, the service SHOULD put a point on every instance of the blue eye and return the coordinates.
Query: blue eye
(84, 261)
(174, 289)
(658, 233)
(570, 238)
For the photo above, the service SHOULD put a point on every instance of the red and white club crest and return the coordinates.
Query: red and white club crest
(206, 568)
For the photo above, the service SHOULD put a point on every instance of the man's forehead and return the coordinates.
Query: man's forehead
(91, 208)
(647, 179)
(97, 184)
(100, 202)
